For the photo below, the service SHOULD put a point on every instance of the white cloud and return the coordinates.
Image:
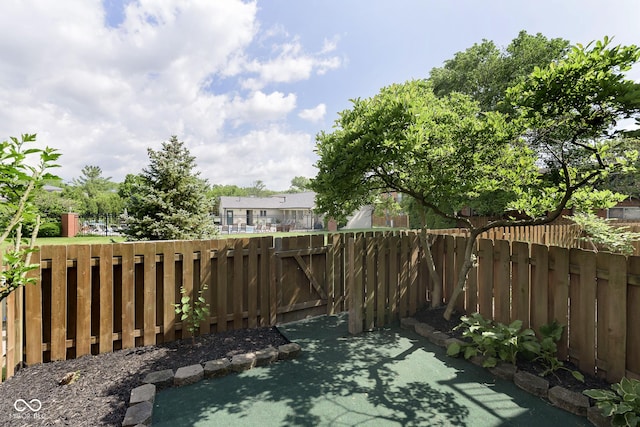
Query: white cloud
(292, 64)
(272, 155)
(315, 114)
(329, 45)
(261, 107)
(104, 94)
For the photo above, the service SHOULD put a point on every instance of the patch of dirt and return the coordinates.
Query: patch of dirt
(561, 377)
(100, 395)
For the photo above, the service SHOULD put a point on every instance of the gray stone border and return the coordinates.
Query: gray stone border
(140, 410)
(571, 401)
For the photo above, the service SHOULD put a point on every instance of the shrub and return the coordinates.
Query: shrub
(192, 313)
(49, 229)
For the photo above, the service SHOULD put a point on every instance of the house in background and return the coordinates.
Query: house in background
(285, 211)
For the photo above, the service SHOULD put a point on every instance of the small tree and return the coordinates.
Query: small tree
(448, 154)
(19, 180)
(168, 201)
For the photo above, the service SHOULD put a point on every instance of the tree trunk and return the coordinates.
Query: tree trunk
(462, 276)
(436, 296)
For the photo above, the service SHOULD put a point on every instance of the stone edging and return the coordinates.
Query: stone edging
(570, 401)
(140, 411)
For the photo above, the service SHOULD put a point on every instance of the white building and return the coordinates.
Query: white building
(285, 211)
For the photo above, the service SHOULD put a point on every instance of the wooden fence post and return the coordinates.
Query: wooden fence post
(354, 276)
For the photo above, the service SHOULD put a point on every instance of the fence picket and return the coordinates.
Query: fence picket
(58, 256)
(582, 291)
(501, 281)
(539, 286)
(614, 311)
(633, 318)
(82, 255)
(485, 278)
(33, 315)
(521, 284)
(170, 292)
(559, 295)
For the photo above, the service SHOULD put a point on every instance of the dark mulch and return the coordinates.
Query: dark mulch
(100, 396)
(562, 377)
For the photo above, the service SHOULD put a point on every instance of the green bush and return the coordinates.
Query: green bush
(49, 229)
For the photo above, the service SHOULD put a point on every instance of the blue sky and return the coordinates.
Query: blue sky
(246, 85)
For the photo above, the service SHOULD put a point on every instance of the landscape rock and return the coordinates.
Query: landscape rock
(144, 393)
(138, 414)
(217, 368)
(266, 356)
(576, 403)
(438, 338)
(504, 370)
(288, 351)
(243, 362)
(423, 329)
(594, 414)
(531, 383)
(408, 323)
(161, 379)
(188, 375)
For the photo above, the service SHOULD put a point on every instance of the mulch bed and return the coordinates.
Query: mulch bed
(562, 377)
(100, 395)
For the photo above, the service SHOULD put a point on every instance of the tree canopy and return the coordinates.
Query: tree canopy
(447, 153)
(484, 72)
(168, 201)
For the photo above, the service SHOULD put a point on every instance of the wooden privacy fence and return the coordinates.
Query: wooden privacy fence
(99, 298)
(595, 295)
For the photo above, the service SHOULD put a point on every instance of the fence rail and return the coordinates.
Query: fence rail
(94, 299)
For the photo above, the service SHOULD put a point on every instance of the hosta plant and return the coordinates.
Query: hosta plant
(494, 341)
(622, 402)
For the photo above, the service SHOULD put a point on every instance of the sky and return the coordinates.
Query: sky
(247, 85)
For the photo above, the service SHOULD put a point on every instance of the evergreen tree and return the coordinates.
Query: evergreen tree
(169, 200)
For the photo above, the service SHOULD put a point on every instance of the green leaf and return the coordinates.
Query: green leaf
(490, 362)
(578, 375)
(453, 349)
(470, 352)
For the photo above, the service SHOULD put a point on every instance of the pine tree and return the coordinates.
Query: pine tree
(169, 200)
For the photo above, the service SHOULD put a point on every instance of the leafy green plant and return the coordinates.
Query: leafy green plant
(602, 234)
(495, 341)
(622, 402)
(547, 354)
(19, 181)
(192, 313)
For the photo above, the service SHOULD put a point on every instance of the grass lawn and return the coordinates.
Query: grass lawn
(97, 240)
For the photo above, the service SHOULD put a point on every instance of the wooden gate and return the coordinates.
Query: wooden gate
(300, 277)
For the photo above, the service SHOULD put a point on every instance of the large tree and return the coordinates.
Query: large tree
(484, 72)
(169, 201)
(96, 194)
(447, 153)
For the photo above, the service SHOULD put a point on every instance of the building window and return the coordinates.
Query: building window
(263, 213)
